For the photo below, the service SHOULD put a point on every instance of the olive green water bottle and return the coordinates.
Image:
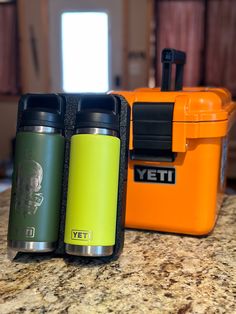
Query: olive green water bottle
(91, 212)
(37, 176)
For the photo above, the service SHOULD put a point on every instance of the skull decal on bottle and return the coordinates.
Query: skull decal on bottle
(29, 178)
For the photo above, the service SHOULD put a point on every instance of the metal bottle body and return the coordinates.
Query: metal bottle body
(92, 193)
(36, 190)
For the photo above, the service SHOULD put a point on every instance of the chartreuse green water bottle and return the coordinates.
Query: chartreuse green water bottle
(90, 228)
(37, 176)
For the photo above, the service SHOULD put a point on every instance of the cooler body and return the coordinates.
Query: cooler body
(177, 160)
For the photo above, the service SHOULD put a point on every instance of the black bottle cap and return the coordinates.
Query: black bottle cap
(98, 111)
(43, 110)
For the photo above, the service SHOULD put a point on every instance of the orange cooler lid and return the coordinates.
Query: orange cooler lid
(199, 112)
(192, 104)
(180, 114)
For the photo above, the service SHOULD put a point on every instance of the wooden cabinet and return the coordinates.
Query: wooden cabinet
(221, 44)
(8, 50)
(180, 25)
(206, 30)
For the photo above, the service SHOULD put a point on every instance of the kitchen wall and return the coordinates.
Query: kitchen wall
(33, 45)
(30, 68)
(40, 46)
(138, 56)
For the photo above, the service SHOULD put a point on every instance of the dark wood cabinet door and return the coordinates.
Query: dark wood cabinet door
(180, 25)
(221, 44)
(8, 49)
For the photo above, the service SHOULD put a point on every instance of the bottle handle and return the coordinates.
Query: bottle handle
(44, 102)
(168, 57)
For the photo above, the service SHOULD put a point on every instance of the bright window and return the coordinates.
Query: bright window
(85, 51)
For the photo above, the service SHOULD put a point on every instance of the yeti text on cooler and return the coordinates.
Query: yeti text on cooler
(154, 174)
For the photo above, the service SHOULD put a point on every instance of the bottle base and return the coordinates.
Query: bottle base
(89, 250)
(37, 247)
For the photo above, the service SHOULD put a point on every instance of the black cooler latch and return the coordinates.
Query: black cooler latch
(152, 121)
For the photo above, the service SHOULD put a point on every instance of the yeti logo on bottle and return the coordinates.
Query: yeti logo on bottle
(154, 174)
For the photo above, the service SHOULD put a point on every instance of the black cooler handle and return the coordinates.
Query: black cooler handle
(168, 58)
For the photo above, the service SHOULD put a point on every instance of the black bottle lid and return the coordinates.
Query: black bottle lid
(42, 110)
(98, 111)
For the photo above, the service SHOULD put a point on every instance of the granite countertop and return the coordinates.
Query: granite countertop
(156, 273)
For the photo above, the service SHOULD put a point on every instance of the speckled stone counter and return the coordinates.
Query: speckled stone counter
(156, 273)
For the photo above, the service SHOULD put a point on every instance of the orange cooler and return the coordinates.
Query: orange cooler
(178, 153)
